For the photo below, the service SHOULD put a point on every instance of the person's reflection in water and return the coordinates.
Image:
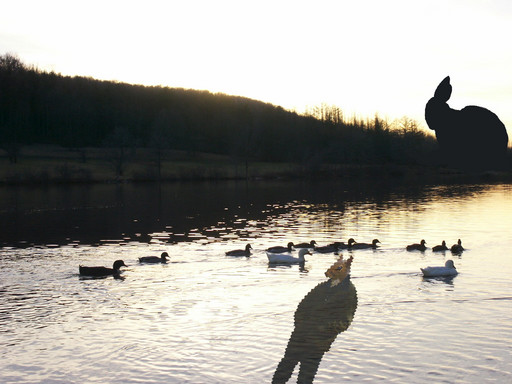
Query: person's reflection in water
(326, 311)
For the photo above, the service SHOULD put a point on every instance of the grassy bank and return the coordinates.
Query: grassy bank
(52, 165)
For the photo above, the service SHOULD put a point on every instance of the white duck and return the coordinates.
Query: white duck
(447, 270)
(278, 258)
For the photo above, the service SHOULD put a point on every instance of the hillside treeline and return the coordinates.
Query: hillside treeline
(44, 107)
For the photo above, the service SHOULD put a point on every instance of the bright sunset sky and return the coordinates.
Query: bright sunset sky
(365, 56)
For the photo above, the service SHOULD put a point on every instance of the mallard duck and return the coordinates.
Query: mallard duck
(457, 248)
(241, 252)
(365, 245)
(417, 247)
(311, 244)
(102, 271)
(331, 248)
(279, 258)
(440, 248)
(448, 270)
(155, 259)
(342, 245)
(279, 249)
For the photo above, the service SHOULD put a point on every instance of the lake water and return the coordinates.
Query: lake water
(208, 318)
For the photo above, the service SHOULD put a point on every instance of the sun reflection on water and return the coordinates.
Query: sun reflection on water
(203, 313)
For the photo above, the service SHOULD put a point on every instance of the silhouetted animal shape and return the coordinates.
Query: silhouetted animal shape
(440, 248)
(326, 311)
(473, 137)
(311, 244)
(417, 247)
(372, 245)
(241, 252)
(331, 248)
(342, 245)
(101, 271)
(280, 249)
(155, 259)
(457, 248)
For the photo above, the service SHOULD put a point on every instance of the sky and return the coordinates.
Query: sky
(367, 57)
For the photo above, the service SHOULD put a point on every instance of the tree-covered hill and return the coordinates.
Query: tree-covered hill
(44, 107)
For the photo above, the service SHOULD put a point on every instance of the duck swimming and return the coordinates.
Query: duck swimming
(331, 248)
(311, 244)
(277, 258)
(440, 248)
(342, 245)
(102, 271)
(279, 249)
(365, 245)
(417, 247)
(155, 259)
(240, 252)
(457, 248)
(448, 270)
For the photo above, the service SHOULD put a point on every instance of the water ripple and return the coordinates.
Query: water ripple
(208, 318)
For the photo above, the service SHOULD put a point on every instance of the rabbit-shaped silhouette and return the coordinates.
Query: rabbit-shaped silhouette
(473, 137)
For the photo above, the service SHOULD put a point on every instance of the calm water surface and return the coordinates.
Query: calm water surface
(208, 318)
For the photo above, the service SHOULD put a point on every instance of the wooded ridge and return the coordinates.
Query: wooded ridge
(75, 112)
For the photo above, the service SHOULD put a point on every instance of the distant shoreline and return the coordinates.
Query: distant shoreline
(51, 165)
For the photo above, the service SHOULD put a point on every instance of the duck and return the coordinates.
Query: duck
(373, 245)
(457, 248)
(279, 258)
(155, 259)
(102, 271)
(342, 245)
(311, 244)
(331, 248)
(279, 249)
(417, 247)
(440, 248)
(240, 252)
(448, 270)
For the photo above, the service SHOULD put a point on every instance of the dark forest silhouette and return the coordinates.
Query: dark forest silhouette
(472, 138)
(76, 112)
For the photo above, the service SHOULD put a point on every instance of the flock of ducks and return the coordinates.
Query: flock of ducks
(455, 248)
(283, 255)
(449, 267)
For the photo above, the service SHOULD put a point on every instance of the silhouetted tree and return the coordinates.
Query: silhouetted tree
(13, 104)
(119, 142)
(326, 113)
(9, 143)
(11, 63)
(161, 137)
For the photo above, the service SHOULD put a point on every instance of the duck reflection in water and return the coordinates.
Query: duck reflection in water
(326, 311)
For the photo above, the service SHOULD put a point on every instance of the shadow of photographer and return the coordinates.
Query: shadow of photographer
(326, 311)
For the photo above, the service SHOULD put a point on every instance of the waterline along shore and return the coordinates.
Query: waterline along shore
(44, 164)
